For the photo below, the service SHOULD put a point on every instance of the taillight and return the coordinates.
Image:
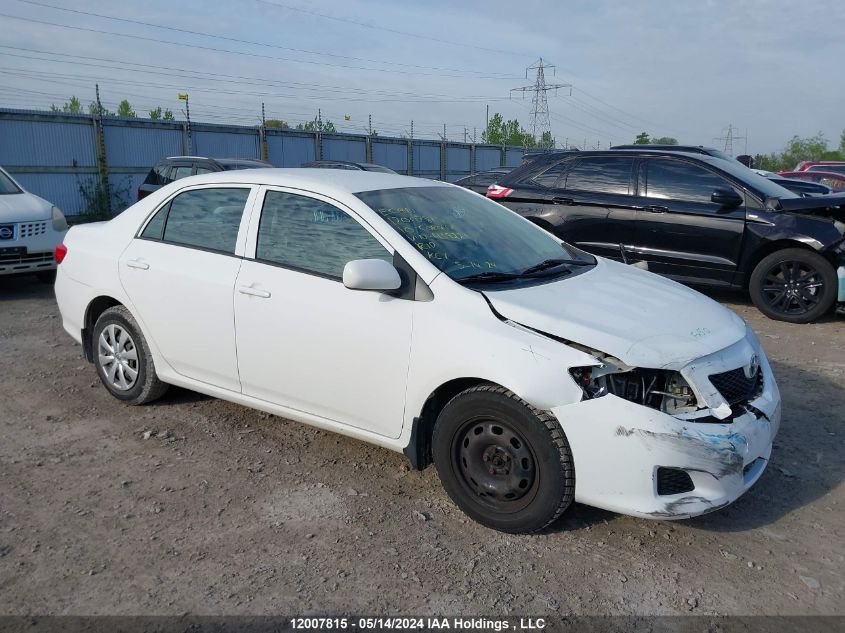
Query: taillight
(497, 191)
(60, 253)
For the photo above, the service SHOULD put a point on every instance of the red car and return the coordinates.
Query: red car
(835, 166)
(835, 181)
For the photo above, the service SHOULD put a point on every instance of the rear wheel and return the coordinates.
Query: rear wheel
(123, 360)
(794, 285)
(504, 463)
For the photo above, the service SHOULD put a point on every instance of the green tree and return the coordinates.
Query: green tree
(547, 141)
(314, 126)
(73, 106)
(276, 123)
(157, 114)
(842, 145)
(501, 132)
(100, 110)
(124, 109)
(642, 139)
(664, 140)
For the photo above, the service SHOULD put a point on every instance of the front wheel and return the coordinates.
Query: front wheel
(793, 285)
(504, 463)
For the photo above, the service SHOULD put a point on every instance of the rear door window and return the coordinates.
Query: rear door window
(602, 174)
(550, 177)
(202, 218)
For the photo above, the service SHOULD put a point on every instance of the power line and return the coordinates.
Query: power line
(239, 41)
(219, 77)
(387, 29)
(231, 52)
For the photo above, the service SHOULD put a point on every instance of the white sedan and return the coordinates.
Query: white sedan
(424, 318)
(30, 229)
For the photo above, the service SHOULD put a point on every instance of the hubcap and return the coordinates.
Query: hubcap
(792, 287)
(118, 357)
(494, 463)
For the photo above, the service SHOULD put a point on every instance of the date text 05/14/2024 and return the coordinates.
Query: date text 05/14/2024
(411, 623)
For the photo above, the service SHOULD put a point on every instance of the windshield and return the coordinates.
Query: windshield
(7, 185)
(466, 236)
(751, 178)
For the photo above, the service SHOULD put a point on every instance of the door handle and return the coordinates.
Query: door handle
(137, 263)
(655, 208)
(557, 200)
(253, 292)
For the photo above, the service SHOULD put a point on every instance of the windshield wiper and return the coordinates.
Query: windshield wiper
(553, 263)
(490, 276)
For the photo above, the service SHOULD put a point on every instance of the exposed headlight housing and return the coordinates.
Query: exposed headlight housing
(59, 220)
(659, 389)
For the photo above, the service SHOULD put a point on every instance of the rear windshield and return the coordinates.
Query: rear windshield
(7, 185)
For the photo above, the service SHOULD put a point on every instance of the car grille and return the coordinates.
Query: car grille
(7, 231)
(9, 263)
(673, 481)
(31, 229)
(736, 387)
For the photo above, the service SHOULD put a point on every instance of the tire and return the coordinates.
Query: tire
(46, 276)
(506, 464)
(794, 285)
(132, 378)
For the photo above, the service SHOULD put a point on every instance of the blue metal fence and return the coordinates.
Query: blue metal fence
(58, 155)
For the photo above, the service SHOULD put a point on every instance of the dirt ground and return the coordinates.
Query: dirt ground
(226, 510)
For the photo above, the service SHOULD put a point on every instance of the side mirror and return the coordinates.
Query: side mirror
(726, 198)
(371, 274)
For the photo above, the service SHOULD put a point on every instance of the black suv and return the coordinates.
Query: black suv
(176, 167)
(692, 217)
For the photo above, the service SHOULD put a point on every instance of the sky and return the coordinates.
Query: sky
(688, 69)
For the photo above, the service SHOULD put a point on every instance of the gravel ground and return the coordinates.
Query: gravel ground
(226, 510)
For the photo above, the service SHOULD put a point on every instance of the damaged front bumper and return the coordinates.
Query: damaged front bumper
(619, 447)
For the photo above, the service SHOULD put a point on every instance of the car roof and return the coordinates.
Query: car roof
(696, 149)
(326, 181)
(617, 152)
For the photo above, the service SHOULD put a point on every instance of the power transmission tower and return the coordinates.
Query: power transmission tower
(728, 139)
(540, 104)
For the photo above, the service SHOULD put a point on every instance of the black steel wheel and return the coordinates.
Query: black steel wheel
(505, 463)
(495, 463)
(793, 285)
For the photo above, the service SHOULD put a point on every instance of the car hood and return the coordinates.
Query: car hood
(24, 207)
(640, 318)
(832, 205)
